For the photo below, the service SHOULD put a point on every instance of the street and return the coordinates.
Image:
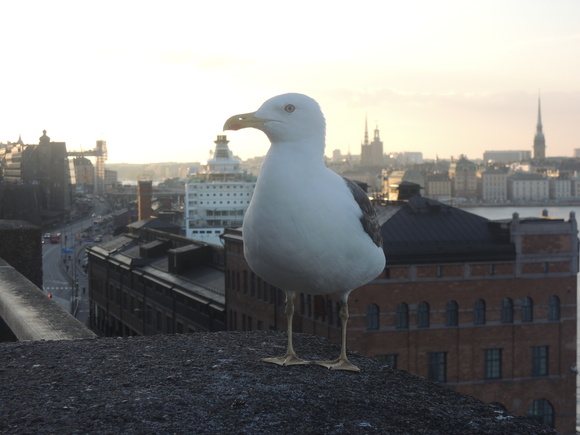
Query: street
(64, 277)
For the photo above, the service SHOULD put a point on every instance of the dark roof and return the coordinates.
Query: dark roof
(427, 231)
(154, 223)
(203, 280)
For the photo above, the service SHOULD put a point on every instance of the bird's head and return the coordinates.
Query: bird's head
(284, 118)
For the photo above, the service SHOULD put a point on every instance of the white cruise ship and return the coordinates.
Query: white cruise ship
(217, 195)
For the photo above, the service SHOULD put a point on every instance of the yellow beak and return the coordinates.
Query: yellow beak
(244, 120)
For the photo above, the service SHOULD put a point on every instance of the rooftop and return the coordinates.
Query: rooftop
(425, 226)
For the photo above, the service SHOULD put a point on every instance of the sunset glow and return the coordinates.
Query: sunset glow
(158, 80)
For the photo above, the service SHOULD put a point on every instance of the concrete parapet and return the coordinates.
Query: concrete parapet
(30, 315)
(216, 383)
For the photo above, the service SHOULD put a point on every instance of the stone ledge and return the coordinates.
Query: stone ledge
(216, 383)
(30, 314)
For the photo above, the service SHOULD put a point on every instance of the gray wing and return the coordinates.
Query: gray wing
(369, 219)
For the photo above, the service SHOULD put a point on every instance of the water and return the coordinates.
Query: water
(563, 212)
(495, 213)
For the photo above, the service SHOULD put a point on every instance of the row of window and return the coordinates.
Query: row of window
(192, 203)
(540, 410)
(437, 363)
(234, 212)
(221, 194)
(452, 313)
(219, 186)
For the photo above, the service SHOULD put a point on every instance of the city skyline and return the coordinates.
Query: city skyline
(157, 83)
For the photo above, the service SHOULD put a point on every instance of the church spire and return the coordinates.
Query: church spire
(366, 140)
(539, 139)
(539, 126)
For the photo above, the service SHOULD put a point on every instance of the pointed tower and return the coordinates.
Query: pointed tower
(539, 139)
(366, 158)
(377, 148)
(366, 140)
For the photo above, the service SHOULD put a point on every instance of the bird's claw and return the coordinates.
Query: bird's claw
(339, 364)
(286, 360)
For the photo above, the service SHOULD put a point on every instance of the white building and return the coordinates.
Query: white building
(528, 187)
(494, 185)
(560, 188)
(217, 195)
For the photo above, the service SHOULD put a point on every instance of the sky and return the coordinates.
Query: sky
(157, 80)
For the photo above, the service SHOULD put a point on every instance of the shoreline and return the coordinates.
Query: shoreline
(526, 204)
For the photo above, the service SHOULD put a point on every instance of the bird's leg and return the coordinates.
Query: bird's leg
(342, 363)
(290, 357)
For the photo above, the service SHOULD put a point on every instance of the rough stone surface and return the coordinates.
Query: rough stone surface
(216, 383)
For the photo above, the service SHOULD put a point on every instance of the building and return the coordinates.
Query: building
(487, 308)
(84, 173)
(494, 185)
(506, 156)
(371, 154)
(575, 187)
(111, 180)
(151, 281)
(463, 174)
(560, 188)
(217, 195)
(539, 139)
(438, 186)
(414, 175)
(524, 187)
(46, 165)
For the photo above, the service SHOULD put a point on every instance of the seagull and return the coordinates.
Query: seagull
(307, 229)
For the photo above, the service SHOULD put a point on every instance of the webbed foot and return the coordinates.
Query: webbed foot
(286, 360)
(339, 364)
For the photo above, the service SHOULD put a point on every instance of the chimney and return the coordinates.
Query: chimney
(144, 194)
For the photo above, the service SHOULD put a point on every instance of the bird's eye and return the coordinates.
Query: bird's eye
(289, 108)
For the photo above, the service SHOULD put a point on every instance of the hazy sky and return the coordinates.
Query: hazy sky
(157, 80)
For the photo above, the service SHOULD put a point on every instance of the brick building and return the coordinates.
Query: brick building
(485, 307)
(153, 282)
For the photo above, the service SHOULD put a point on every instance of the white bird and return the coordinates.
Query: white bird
(306, 229)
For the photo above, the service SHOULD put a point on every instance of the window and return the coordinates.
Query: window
(554, 308)
(423, 315)
(542, 411)
(373, 317)
(259, 286)
(159, 320)
(437, 366)
(507, 311)
(329, 312)
(492, 363)
(402, 316)
(479, 312)
(539, 360)
(528, 310)
(451, 314)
